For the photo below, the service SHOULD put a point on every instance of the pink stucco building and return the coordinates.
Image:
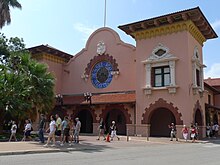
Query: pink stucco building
(144, 87)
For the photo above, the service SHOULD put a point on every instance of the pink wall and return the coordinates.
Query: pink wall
(123, 53)
(181, 45)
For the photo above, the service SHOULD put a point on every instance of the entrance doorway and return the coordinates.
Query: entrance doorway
(119, 118)
(198, 117)
(159, 122)
(86, 120)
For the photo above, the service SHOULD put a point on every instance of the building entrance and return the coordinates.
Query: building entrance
(159, 122)
(118, 116)
(86, 120)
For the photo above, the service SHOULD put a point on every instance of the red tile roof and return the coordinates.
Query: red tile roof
(213, 82)
(110, 98)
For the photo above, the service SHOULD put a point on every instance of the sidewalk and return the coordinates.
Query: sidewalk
(87, 143)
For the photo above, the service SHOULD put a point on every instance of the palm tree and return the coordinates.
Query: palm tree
(26, 87)
(5, 16)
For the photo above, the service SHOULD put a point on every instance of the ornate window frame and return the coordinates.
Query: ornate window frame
(155, 60)
(197, 66)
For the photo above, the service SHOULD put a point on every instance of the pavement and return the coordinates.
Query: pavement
(87, 143)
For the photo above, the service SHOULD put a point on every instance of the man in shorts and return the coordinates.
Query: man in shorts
(77, 130)
(58, 127)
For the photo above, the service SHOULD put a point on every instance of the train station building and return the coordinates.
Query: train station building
(143, 88)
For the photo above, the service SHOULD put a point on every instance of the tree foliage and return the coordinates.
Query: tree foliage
(5, 16)
(26, 87)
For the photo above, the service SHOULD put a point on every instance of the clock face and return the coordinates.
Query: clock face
(101, 74)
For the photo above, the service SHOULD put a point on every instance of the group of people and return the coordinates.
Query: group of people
(191, 133)
(112, 133)
(212, 130)
(67, 130)
(27, 130)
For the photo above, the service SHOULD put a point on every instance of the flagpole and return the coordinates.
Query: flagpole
(105, 15)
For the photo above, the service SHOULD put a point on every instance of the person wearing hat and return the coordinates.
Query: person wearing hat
(77, 130)
(113, 131)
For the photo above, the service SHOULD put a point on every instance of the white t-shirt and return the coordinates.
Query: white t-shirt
(52, 126)
(28, 127)
(78, 125)
(13, 128)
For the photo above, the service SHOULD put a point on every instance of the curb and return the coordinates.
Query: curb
(45, 151)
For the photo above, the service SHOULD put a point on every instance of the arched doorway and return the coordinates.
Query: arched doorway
(198, 117)
(86, 120)
(118, 116)
(159, 122)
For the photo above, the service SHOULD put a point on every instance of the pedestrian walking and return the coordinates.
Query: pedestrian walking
(41, 128)
(216, 128)
(185, 132)
(65, 130)
(193, 133)
(77, 130)
(58, 127)
(113, 131)
(51, 129)
(101, 129)
(197, 131)
(13, 131)
(27, 130)
(173, 132)
(208, 130)
(71, 132)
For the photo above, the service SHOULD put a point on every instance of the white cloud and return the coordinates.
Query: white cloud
(216, 24)
(85, 30)
(213, 72)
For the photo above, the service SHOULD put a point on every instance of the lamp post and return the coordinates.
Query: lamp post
(59, 99)
(88, 97)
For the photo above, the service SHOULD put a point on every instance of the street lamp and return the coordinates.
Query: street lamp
(59, 99)
(88, 97)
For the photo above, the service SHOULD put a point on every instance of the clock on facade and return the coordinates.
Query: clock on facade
(101, 75)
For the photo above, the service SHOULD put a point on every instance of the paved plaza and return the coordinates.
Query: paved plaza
(86, 143)
(137, 151)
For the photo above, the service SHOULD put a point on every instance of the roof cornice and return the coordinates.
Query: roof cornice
(195, 15)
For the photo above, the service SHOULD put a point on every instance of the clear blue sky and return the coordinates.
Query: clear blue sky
(67, 24)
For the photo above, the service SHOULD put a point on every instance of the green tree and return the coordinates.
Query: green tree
(5, 17)
(26, 87)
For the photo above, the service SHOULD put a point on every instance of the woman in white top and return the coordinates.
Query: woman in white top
(13, 131)
(52, 128)
(27, 130)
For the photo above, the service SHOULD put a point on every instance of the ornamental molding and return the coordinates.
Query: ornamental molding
(169, 29)
(99, 58)
(160, 54)
(101, 48)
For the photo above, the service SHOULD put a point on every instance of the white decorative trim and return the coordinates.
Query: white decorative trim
(166, 54)
(165, 59)
(101, 48)
(197, 65)
(85, 76)
(115, 73)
